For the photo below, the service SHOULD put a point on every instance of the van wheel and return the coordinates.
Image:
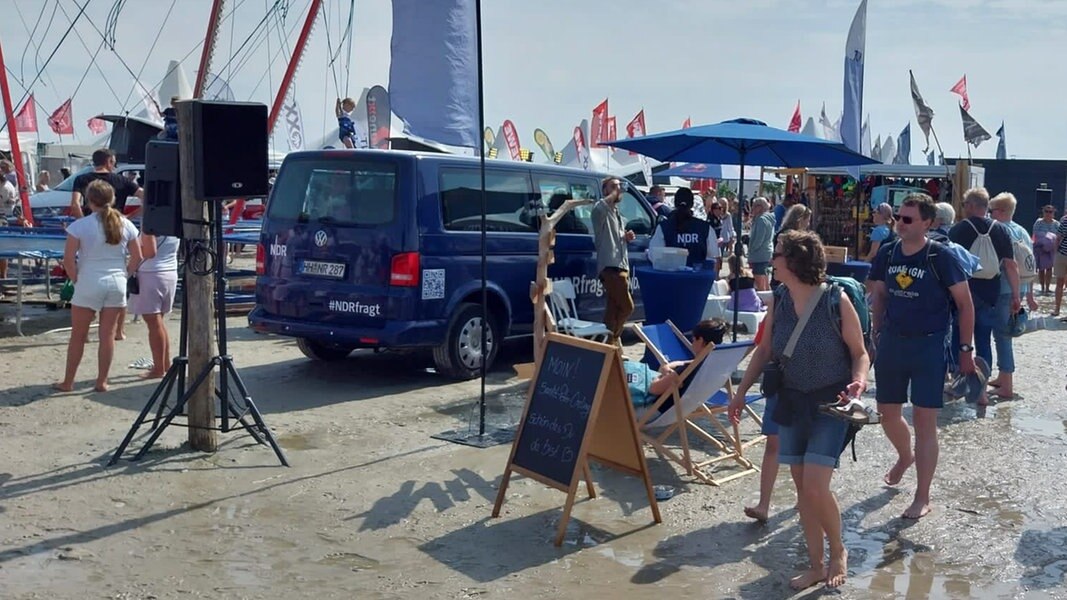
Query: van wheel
(319, 351)
(460, 356)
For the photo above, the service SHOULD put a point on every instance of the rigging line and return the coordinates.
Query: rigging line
(277, 54)
(260, 36)
(151, 48)
(29, 39)
(329, 49)
(92, 61)
(37, 77)
(36, 47)
(195, 47)
(351, 34)
(233, 25)
(85, 46)
(251, 35)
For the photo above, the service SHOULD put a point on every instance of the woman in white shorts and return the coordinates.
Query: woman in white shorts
(101, 250)
(158, 278)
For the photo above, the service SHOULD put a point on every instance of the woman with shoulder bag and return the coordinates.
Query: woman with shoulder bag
(157, 279)
(821, 361)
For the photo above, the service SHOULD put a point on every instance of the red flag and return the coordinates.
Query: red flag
(961, 89)
(26, 117)
(598, 129)
(97, 126)
(636, 127)
(687, 123)
(794, 123)
(62, 121)
(611, 130)
(511, 136)
(579, 148)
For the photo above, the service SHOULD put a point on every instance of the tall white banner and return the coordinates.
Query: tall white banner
(294, 123)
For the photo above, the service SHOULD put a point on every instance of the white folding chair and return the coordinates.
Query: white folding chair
(565, 311)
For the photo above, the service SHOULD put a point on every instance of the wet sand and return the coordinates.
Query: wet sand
(373, 507)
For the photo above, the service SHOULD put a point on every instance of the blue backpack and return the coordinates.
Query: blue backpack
(858, 295)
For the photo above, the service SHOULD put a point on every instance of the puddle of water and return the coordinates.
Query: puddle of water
(1023, 418)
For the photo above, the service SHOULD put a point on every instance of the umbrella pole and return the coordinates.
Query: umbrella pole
(739, 222)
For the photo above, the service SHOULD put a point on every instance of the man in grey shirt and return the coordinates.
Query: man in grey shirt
(761, 242)
(610, 237)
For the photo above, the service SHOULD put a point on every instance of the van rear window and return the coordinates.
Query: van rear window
(336, 191)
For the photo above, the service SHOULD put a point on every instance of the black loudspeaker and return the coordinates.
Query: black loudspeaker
(230, 149)
(162, 213)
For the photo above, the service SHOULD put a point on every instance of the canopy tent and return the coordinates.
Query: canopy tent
(719, 172)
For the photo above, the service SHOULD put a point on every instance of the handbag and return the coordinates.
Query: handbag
(133, 285)
(772, 371)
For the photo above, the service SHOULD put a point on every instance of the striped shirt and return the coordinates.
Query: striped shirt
(1062, 233)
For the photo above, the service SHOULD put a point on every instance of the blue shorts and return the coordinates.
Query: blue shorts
(915, 362)
(759, 268)
(769, 426)
(818, 441)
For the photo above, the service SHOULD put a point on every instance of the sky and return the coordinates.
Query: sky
(549, 62)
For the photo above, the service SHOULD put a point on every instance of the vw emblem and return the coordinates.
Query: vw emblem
(320, 238)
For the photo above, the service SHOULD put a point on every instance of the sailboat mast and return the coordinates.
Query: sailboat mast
(16, 152)
(294, 62)
(209, 47)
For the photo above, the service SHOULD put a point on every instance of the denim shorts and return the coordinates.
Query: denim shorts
(759, 268)
(769, 426)
(816, 441)
(915, 362)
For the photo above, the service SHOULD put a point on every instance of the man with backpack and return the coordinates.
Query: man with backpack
(991, 242)
(913, 282)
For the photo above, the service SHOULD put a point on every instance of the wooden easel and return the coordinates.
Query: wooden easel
(542, 285)
(543, 451)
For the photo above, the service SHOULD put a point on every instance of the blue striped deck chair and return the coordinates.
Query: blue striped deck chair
(708, 372)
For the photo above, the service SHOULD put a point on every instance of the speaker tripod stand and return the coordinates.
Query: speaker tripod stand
(239, 408)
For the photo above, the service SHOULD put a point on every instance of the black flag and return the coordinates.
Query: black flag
(923, 113)
(1002, 151)
(973, 133)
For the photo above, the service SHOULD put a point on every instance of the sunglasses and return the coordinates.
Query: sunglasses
(905, 219)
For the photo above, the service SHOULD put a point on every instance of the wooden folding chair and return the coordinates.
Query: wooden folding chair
(708, 373)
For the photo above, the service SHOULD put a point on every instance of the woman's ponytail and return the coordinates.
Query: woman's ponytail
(101, 196)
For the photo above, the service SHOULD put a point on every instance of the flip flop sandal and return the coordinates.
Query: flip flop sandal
(142, 363)
(854, 411)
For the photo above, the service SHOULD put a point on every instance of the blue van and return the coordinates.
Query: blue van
(382, 249)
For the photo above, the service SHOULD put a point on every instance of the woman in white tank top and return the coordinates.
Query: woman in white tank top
(101, 250)
(158, 278)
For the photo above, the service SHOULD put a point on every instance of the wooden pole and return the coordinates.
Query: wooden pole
(545, 256)
(200, 293)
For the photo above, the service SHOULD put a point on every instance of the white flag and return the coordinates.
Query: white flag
(151, 107)
(294, 122)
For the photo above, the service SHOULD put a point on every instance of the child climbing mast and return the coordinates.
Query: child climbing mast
(347, 126)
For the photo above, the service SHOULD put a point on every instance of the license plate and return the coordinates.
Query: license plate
(323, 269)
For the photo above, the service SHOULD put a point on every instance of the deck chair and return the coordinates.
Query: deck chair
(710, 369)
(565, 311)
(666, 343)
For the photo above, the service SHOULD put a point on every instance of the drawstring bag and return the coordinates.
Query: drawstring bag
(66, 293)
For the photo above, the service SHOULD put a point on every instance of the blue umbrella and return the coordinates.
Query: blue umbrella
(743, 142)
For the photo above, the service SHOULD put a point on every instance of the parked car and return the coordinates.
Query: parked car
(382, 249)
(56, 201)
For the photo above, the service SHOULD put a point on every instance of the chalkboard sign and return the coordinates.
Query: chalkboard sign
(578, 408)
(558, 411)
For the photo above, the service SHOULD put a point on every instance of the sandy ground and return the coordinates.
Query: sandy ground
(374, 507)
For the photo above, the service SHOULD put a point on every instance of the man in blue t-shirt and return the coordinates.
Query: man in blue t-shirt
(912, 283)
(985, 291)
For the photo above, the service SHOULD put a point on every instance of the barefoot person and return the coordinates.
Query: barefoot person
(158, 278)
(829, 360)
(911, 283)
(95, 257)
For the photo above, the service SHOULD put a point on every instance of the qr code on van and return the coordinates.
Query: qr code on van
(433, 284)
